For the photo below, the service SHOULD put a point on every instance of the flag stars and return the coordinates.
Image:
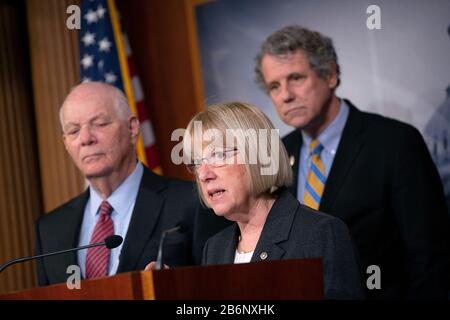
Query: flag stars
(86, 79)
(110, 77)
(104, 44)
(91, 16)
(100, 11)
(88, 39)
(87, 61)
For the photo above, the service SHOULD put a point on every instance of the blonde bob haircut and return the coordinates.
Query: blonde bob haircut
(242, 117)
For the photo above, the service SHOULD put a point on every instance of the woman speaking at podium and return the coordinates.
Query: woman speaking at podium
(242, 170)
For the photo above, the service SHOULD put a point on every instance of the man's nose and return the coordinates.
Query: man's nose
(287, 93)
(86, 136)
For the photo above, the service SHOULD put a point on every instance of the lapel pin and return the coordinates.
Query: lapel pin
(263, 255)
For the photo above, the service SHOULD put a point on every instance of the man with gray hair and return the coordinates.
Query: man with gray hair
(123, 197)
(373, 172)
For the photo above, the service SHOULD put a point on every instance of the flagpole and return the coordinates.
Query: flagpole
(125, 73)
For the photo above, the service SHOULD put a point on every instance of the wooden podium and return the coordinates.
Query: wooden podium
(274, 280)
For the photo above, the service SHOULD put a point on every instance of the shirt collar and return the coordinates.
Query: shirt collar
(120, 199)
(331, 136)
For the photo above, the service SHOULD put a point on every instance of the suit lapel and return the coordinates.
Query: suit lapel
(145, 215)
(73, 221)
(65, 236)
(293, 143)
(349, 148)
(276, 229)
(227, 256)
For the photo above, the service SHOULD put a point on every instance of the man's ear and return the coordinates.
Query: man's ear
(134, 127)
(64, 141)
(332, 78)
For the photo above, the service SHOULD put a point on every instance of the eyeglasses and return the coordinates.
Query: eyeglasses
(216, 159)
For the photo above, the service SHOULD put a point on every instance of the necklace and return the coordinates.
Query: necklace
(241, 250)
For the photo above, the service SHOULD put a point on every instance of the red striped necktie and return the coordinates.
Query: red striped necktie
(97, 259)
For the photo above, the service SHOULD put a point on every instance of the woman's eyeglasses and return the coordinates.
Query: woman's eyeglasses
(215, 159)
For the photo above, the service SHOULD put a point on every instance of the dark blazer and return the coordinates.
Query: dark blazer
(160, 204)
(384, 185)
(294, 231)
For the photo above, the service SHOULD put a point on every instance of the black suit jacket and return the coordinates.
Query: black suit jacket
(384, 185)
(160, 204)
(294, 231)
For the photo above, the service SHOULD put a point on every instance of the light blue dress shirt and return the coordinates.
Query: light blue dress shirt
(122, 200)
(329, 138)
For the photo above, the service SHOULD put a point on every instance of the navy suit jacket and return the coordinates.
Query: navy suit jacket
(384, 185)
(160, 204)
(294, 231)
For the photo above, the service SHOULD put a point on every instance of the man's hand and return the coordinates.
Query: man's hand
(151, 266)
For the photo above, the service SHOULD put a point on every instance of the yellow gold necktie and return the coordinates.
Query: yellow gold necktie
(315, 181)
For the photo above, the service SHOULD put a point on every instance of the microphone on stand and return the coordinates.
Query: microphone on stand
(180, 227)
(110, 242)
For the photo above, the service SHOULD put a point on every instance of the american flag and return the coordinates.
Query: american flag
(103, 47)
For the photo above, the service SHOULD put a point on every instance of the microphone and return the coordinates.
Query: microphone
(110, 242)
(181, 228)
